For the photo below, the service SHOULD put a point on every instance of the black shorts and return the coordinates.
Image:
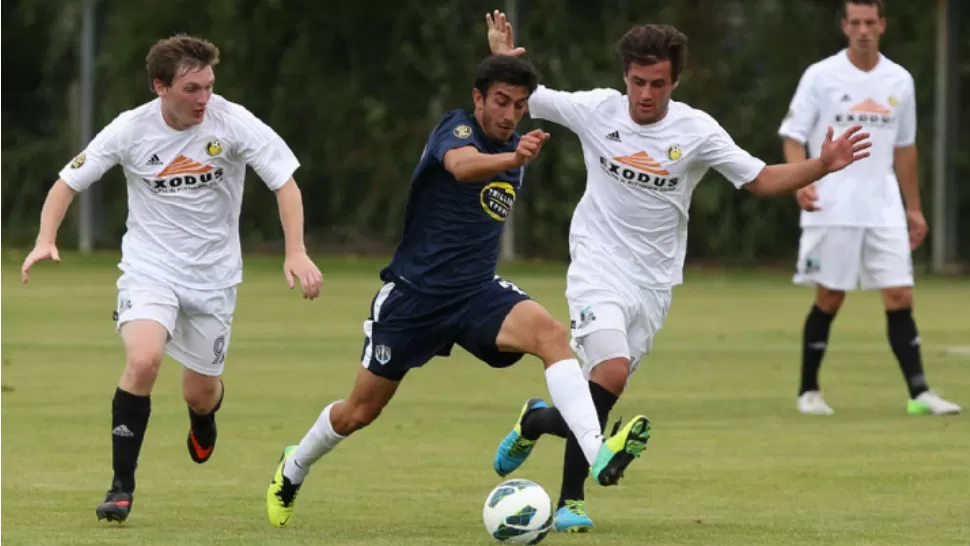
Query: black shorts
(406, 329)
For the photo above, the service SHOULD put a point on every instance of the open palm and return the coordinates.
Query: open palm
(500, 38)
(848, 148)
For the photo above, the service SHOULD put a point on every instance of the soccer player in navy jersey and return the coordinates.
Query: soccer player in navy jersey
(441, 289)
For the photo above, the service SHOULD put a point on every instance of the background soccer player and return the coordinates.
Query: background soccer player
(854, 226)
(184, 156)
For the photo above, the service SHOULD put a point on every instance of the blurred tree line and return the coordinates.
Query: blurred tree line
(355, 88)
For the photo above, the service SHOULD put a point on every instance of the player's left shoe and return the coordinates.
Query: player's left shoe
(514, 449)
(572, 518)
(116, 504)
(930, 403)
(619, 451)
(281, 495)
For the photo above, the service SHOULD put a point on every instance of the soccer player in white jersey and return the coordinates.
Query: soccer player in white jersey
(184, 156)
(854, 226)
(644, 156)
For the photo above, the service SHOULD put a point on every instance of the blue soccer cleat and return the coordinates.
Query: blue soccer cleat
(572, 518)
(514, 449)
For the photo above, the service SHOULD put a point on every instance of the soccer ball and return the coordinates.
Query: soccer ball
(518, 512)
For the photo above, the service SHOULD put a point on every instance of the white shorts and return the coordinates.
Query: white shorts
(199, 322)
(842, 258)
(605, 301)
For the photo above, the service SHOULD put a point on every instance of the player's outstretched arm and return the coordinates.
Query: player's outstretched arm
(58, 199)
(836, 154)
(290, 202)
(467, 164)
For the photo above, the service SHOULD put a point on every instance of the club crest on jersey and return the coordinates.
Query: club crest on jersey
(641, 171)
(867, 112)
(674, 152)
(184, 174)
(213, 148)
(497, 199)
(78, 161)
(462, 131)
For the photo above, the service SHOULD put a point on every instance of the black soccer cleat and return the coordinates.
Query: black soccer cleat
(201, 442)
(116, 505)
(201, 445)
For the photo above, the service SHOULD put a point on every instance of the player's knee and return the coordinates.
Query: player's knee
(829, 300)
(612, 374)
(899, 297)
(551, 336)
(143, 364)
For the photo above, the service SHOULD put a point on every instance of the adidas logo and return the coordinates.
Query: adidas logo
(614, 136)
(123, 431)
(153, 161)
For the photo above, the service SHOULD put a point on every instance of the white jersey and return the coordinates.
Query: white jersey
(834, 92)
(640, 178)
(185, 188)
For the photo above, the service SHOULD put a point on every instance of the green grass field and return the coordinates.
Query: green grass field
(731, 462)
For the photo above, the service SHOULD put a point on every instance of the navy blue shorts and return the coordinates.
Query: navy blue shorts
(406, 329)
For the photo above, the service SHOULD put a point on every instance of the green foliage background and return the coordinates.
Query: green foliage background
(355, 87)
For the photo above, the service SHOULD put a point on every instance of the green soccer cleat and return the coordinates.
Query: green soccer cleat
(281, 494)
(619, 451)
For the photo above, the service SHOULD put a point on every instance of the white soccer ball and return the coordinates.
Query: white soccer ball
(518, 512)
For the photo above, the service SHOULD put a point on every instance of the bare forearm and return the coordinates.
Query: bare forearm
(787, 177)
(904, 163)
(794, 151)
(58, 200)
(290, 202)
(478, 167)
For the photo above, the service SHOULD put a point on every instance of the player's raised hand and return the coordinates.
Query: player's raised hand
(530, 144)
(41, 252)
(850, 147)
(298, 264)
(807, 198)
(500, 37)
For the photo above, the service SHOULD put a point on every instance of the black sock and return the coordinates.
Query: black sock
(541, 421)
(904, 340)
(815, 339)
(129, 420)
(204, 424)
(575, 467)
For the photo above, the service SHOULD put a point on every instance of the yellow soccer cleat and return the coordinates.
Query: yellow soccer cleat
(281, 494)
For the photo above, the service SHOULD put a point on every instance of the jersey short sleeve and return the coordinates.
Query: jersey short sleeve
(569, 109)
(734, 163)
(906, 135)
(103, 152)
(264, 150)
(454, 131)
(803, 111)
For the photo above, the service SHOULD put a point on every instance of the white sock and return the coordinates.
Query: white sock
(319, 440)
(571, 396)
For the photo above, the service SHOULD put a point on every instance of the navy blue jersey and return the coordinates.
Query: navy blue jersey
(452, 229)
